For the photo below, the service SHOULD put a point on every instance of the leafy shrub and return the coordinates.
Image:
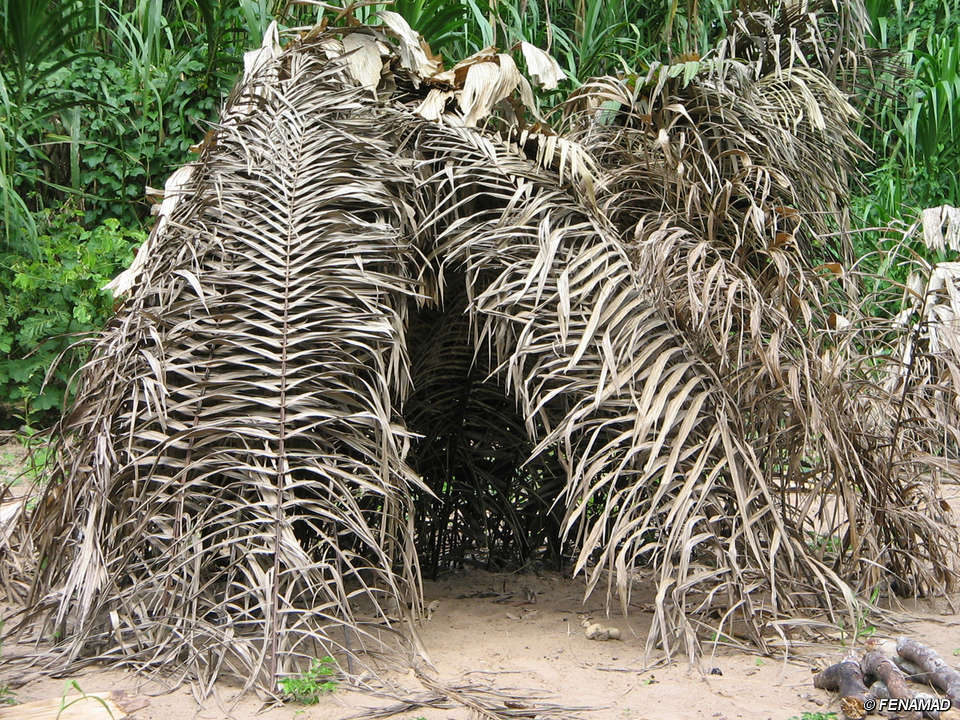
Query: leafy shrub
(51, 294)
(308, 687)
(96, 119)
(137, 126)
(134, 140)
(97, 101)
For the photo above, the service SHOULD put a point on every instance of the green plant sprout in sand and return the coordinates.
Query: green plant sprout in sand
(309, 686)
(863, 629)
(66, 705)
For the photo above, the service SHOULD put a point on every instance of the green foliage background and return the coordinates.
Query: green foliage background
(103, 98)
(50, 296)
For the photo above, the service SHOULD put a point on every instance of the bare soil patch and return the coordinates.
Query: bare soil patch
(479, 634)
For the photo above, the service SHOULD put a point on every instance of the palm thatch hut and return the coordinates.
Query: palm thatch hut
(384, 323)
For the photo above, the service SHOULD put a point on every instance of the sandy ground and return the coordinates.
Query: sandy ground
(486, 631)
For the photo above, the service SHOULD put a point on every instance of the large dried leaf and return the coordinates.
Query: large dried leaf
(486, 84)
(244, 473)
(941, 228)
(544, 70)
(363, 60)
(414, 54)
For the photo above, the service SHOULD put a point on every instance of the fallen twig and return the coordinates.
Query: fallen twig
(846, 677)
(938, 673)
(877, 664)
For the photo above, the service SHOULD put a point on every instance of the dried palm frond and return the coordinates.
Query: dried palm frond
(231, 477)
(655, 466)
(924, 371)
(774, 35)
(726, 180)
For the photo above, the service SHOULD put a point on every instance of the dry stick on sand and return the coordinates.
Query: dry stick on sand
(846, 677)
(938, 673)
(877, 664)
